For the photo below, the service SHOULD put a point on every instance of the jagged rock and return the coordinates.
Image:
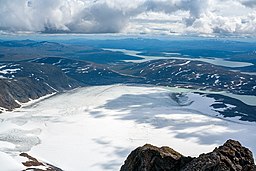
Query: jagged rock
(33, 164)
(232, 156)
(150, 158)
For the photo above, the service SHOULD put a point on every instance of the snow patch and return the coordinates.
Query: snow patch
(186, 63)
(10, 71)
(7, 163)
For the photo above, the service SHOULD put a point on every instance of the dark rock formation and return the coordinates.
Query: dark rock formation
(32, 163)
(232, 156)
(151, 158)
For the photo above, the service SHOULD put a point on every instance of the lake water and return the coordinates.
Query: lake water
(211, 60)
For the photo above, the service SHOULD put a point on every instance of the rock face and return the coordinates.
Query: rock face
(151, 158)
(32, 163)
(232, 156)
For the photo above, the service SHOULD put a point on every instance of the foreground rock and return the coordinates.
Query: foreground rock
(232, 156)
(32, 163)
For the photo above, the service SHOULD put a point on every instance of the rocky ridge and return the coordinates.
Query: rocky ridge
(25, 81)
(232, 156)
(32, 163)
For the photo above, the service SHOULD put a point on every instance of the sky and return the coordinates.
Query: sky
(163, 17)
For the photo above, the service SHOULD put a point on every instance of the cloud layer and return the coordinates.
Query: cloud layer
(133, 16)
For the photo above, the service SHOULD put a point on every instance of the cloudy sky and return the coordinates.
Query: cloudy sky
(207, 17)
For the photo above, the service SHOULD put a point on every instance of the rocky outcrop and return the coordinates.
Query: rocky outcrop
(150, 158)
(32, 163)
(232, 156)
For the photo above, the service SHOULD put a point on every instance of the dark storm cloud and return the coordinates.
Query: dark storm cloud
(249, 3)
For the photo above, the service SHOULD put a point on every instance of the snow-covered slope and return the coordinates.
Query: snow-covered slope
(95, 128)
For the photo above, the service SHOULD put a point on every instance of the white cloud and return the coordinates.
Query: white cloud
(133, 16)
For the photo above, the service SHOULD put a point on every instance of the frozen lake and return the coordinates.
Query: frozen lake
(95, 128)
